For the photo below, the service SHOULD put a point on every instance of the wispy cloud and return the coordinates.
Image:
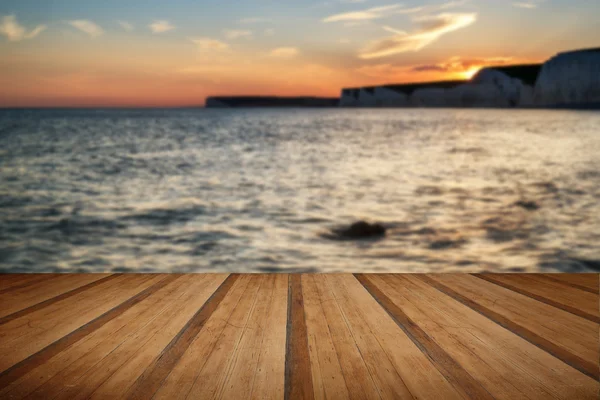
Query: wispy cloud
(368, 14)
(284, 52)
(447, 5)
(530, 4)
(394, 9)
(161, 26)
(10, 27)
(431, 29)
(87, 26)
(205, 43)
(236, 34)
(126, 25)
(269, 32)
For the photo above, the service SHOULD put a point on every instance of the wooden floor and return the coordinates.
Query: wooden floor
(299, 336)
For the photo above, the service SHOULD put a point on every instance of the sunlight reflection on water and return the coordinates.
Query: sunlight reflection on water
(251, 190)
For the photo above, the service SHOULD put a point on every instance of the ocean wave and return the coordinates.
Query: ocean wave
(197, 190)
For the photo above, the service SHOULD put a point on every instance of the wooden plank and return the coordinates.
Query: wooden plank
(590, 280)
(462, 381)
(41, 299)
(244, 368)
(10, 282)
(69, 377)
(43, 290)
(577, 302)
(44, 355)
(184, 374)
(298, 377)
(572, 339)
(328, 379)
(211, 379)
(456, 339)
(533, 371)
(358, 379)
(436, 336)
(587, 282)
(97, 343)
(387, 380)
(23, 281)
(114, 373)
(269, 378)
(27, 335)
(154, 375)
(34, 331)
(397, 366)
(192, 312)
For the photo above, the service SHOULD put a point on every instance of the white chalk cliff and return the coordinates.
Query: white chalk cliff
(569, 78)
(491, 87)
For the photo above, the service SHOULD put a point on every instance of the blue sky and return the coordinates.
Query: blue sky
(92, 49)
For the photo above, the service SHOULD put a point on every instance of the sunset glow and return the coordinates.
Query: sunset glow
(470, 73)
(153, 53)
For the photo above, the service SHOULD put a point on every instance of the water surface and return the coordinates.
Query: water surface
(255, 190)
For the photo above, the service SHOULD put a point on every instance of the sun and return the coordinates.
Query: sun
(470, 73)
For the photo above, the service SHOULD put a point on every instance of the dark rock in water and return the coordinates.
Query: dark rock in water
(361, 230)
(571, 265)
(590, 264)
(528, 205)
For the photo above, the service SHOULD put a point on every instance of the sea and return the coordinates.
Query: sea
(262, 190)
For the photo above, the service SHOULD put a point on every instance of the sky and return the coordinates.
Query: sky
(158, 53)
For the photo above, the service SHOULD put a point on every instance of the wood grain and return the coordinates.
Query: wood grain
(298, 376)
(328, 378)
(449, 367)
(567, 337)
(591, 284)
(458, 339)
(269, 378)
(586, 366)
(399, 368)
(117, 371)
(41, 300)
(533, 371)
(583, 304)
(149, 382)
(322, 336)
(96, 345)
(42, 356)
(12, 283)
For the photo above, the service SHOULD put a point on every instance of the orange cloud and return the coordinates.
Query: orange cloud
(453, 68)
(461, 65)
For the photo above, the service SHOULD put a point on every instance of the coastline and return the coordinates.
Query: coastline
(569, 80)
